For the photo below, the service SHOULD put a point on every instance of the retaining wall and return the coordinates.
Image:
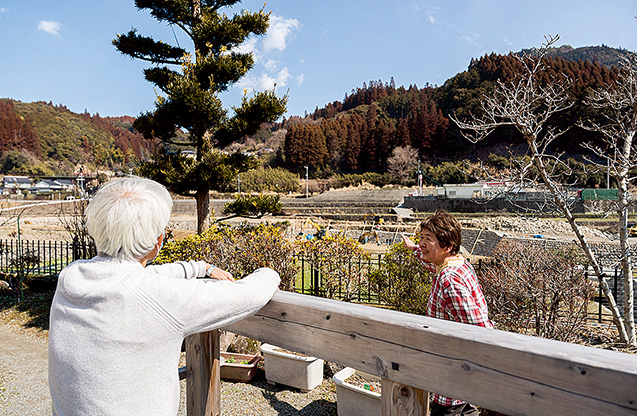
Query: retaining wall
(430, 204)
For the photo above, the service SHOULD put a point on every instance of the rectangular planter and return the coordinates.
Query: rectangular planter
(303, 373)
(352, 400)
(235, 371)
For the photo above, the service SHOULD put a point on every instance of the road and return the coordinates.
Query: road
(24, 387)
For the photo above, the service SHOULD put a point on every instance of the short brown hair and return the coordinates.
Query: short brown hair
(446, 228)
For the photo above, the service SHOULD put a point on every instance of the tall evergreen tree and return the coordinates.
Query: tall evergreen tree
(190, 102)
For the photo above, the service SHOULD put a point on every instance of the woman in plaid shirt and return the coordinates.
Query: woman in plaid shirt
(455, 294)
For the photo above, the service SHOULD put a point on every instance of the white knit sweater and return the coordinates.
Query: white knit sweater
(116, 330)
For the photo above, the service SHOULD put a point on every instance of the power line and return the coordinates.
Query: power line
(176, 40)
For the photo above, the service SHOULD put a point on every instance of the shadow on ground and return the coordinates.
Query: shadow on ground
(315, 408)
(288, 401)
(32, 312)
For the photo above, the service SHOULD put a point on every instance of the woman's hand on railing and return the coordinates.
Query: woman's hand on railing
(217, 273)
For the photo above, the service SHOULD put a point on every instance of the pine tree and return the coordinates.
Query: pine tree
(190, 102)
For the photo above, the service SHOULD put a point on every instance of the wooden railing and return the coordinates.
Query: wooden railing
(510, 373)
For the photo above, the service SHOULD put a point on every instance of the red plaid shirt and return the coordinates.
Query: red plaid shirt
(457, 296)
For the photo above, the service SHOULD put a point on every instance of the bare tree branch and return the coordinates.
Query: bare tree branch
(528, 104)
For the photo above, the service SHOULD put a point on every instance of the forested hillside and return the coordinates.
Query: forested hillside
(43, 139)
(603, 55)
(357, 134)
(16, 132)
(361, 132)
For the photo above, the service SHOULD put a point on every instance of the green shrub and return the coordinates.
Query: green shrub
(269, 180)
(356, 179)
(237, 250)
(253, 205)
(401, 281)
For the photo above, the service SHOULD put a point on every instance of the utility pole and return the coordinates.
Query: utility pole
(80, 182)
(307, 182)
(419, 179)
(238, 184)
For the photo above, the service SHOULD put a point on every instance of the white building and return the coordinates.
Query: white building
(15, 184)
(54, 185)
(472, 190)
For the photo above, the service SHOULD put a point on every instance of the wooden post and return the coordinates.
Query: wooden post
(203, 374)
(403, 400)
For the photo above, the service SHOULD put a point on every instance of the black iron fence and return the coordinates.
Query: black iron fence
(357, 288)
(613, 279)
(48, 258)
(41, 258)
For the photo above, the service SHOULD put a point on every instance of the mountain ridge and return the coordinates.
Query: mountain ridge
(40, 138)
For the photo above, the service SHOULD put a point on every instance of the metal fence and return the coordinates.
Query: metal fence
(310, 281)
(52, 256)
(41, 258)
(614, 279)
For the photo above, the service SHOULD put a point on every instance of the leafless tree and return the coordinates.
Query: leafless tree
(618, 150)
(532, 289)
(528, 104)
(20, 259)
(402, 163)
(71, 217)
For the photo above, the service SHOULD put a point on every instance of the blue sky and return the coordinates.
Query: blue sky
(316, 51)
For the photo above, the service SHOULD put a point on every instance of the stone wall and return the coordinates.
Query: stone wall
(430, 204)
(483, 242)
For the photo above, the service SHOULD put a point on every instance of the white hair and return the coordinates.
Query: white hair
(127, 216)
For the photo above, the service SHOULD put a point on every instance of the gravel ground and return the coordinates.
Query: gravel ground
(260, 398)
(24, 389)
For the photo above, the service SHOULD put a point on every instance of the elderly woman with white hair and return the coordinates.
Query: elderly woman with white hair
(117, 325)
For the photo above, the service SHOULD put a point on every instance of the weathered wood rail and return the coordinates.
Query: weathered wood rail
(510, 373)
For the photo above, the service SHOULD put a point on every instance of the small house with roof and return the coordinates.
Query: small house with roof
(15, 184)
(45, 186)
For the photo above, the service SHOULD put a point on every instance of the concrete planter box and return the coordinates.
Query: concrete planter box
(235, 371)
(352, 400)
(303, 373)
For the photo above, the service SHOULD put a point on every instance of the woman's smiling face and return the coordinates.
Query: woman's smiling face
(431, 249)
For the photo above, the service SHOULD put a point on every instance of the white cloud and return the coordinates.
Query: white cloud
(271, 64)
(50, 26)
(280, 80)
(3, 10)
(300, 79)
(279, 32)
(265, 81)
(472, 39)
(248, 46)
(425, 7)
(267, 53)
